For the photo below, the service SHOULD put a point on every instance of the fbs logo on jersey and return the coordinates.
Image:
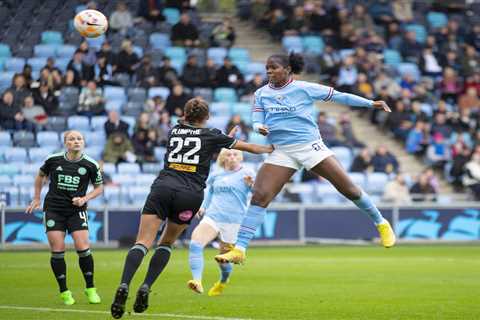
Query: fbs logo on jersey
(59, 168)
(82, 171)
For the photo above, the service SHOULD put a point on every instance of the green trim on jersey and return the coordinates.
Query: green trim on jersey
(86, 157)
(73, 161)
(58, 154)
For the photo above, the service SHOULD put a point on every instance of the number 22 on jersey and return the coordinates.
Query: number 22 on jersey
(178, 154)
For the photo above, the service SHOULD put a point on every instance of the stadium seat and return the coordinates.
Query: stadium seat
(327, 194)
(5, 51)
(109, 168)
(37, 63)
(178, 65)
(10, 169)
(97, 123)
(159, 153)
(145, 179)
(62, 63)
(153, 168)
(409, 68)
(239, 54)
(23, 180)
(437, 19)
(420, 32)
(97, 42)
(313, 45)
(292, 44)
(137, 95)
(244, 110)
(224, 95)
(112, 195)
(14, 195)
(78, 123)
(176, 53)
(44, 50)
(344, 155)
(5, 181)
(217, 55)
(205, 93)
(218, 122)
(25, 139)
(129, 168)
(132, 108)
(52, 37)
(14, 64)
(137, 195)
(159, 40)
(39, 154)
(392, 57)
(172, 15)
(163, 92)
(31, 168)
(306, 191)
(114, 105)
(376, 182)
(58, 124)
(95, 138)
(220, 109)
(94, 152)
(346, 53)
(65, 51)
(256, 67)
(123, 179)
(6, 79)
(5, 139)
(114, 93)
(358, 179)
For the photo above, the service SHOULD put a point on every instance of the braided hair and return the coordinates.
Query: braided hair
(196, 110)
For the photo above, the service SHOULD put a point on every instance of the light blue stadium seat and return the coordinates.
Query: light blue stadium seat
(292, 43)
(224, 95)
(23, 180)
(137, 195)
(97, 122)
(172, 15)
(52, 37)
(62, 63)
(153, 168)
(145, 179)
(163, 92)
(256, 67)
(112, 195)
(239, 54)
(5, 181)
(129, 168)
(10, 169)
(159, 40)
(392, 57)
(98, 202)
(6, 79)
(376, 182)
(244, 110)
(14, 64)
(15, 154)
(344, 155)
(327, 194)
(409, 68)
(97, 42)
(114, 105)
(81, 123)
(37, 63)
(437, 19)
(5, 139)
(14, 193)
(65, 51)
(220, 109)
(218, 122)
(44, 50)
(242, 65)
(123, 179)
(159, 153)
(95, 138)
(178, 65)
(306, 191)
(313, 44)
(420, 32)
(31, 168)
(358, 179)
(131, 123)
(257, 138)
(205, 93)
(217, 55)
(5, 50)
(39, 154)
(346, 52)
(176, 53)
(137, 95)
(24, 139)
(94, 152)
(109, 168)
(114, 93)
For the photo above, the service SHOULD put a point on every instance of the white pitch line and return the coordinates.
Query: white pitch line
(152, 315)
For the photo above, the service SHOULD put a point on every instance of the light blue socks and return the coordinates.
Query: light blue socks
(226, 270)
(367, 206)
(252, 220)
(195, 259)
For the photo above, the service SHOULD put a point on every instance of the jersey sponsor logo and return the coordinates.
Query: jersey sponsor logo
(281, 109)
(182, 167)
(50, 223)
(59, 168)
(67, 182)
(185, 215)
(82, 171)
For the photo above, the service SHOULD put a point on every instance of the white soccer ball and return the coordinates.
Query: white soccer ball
(90, 23)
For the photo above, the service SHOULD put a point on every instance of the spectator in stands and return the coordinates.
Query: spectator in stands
(144, 146)
(469, 100)
(418, 139)
(81, 71)
(429, 64)
(471, 178)
(115, 124)
(106, 51)
(347, 131)
(363, 86)
(381, 12)
(185, 33)
(69, 79)
(253, 85)
(121, 19)
(457, 170)
(147, 73)
(329, 62)
(422, 190)
(228, 75)
(223, 35)
(44, 97)
(242, 131)
(440, 126)
(347, 75)
(164, 127)
(151, 10)
(127, 59)
(437, 153)
(34, 113)
(384, 161)
(89, 54)
(470, 61)
(450, 85)
(176, 100)
(11, 117)
(144, 123)
(19, 89)
(473, 81)
(362, 162)
(328, 131)
(360, 20)
(27, 74)
(297, 24)
(399, 121)
(91, 101)
(402, 10)
(103, 72)
(52, 78)
(210, 72)
(193, 75)
(154, 107)
(118, 149)
(394, 36)
(396, 191)
(277, 23)
(167, 75)
(432, 178)
(411, 49)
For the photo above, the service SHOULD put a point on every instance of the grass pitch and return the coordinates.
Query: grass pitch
(316, 282)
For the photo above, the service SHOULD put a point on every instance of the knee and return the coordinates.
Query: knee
(261, 198)
(352, 192)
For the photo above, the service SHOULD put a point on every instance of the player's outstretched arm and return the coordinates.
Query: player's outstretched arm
(80, 201)
(35, 204)
(353, 100)
(252, 148)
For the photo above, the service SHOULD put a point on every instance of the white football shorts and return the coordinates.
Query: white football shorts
(226, 231)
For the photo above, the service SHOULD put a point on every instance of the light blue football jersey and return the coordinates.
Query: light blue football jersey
(226, 198)
(288, 111)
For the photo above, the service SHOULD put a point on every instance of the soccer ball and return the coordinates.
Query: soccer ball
(90, 23)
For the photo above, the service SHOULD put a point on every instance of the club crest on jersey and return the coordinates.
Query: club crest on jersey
(279, 98)
(50, 223)
(82, 171)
